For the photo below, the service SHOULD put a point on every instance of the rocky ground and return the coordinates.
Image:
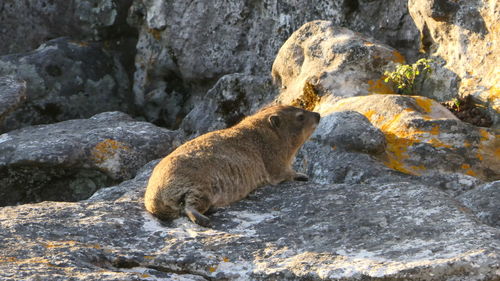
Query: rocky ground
(93, 93)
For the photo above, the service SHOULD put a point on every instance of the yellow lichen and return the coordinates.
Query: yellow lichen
(424, 103)
(212, 268)
(309, 98)
(380, 87)
(225, 259)
(398, 57)
(435, 130)
(106, 149)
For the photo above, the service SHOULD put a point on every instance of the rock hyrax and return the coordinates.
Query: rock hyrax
(223, 166)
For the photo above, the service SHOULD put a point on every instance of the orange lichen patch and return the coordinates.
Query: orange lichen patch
(479, 156)
(398, 57)
(435, 130)
(369, 114)
(107, 149)
(225, 259)
(437, 143)
(497, 153)
(155, 33)
(380, 87)
(212, 268)
(8, 259)
(484, 134)
(418, 168)
(59, 244)
(465, 166)
(145, 275)
(467, 144)
(424, 103)
(149, 257)
(470, 173)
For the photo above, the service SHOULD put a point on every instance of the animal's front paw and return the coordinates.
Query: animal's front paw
(301, 177)
(198, 218)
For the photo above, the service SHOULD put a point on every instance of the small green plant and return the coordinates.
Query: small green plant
(457, 102)
(405, 75)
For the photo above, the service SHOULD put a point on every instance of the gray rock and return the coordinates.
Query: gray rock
(483, 201)
(12, 95)
(185, 47)
(326, 165)
(350, 130)
(40, 21)
(70, 160)
(294, 231)
(66, 79)
(230, 100)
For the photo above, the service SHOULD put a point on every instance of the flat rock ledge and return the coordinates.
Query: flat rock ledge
(293, 231)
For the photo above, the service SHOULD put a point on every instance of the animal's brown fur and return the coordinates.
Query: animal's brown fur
(223, 166)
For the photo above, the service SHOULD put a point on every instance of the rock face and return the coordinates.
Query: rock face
(230, 100)
(464, 36)
(40, 21)
(72, 159)
(392, 230)
(12, 95)
(185, 47)
(66, 79)
(483, 201)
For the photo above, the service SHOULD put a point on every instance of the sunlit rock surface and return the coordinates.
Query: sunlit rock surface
(293, 231)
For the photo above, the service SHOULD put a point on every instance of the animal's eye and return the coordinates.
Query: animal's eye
(300, 117)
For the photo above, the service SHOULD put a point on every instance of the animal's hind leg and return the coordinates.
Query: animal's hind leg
(195, 206)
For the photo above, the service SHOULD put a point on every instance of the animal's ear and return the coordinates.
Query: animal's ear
(275, 121)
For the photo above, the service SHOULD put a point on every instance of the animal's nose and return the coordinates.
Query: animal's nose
(317, 116)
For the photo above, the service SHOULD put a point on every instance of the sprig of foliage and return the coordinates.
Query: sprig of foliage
(404, 76)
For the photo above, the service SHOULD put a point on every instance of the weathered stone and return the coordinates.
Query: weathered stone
(350, 130)
(483, 201)
(465, 40)
(66, 79)
(40, 21)
(185, 47)
(321, 61)
(293, 231)
(12, 95)
(230, 100)
(72, 159)
(423, 136)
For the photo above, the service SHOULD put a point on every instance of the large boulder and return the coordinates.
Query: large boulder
(295, 231)
(27, 24)
(70, 160)
(322, 61)
(424, 137)
(66, 79)
(184, 48)
(464, 36)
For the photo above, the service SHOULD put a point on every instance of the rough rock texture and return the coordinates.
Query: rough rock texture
(423, 136)
(230, 100)
(328, 62)
(72, 159)
(294, 231)
(66, 79)
(483, 201)
(40, 21)
(350, 130)
(12, 95)
(185, 47)
(465, 37)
